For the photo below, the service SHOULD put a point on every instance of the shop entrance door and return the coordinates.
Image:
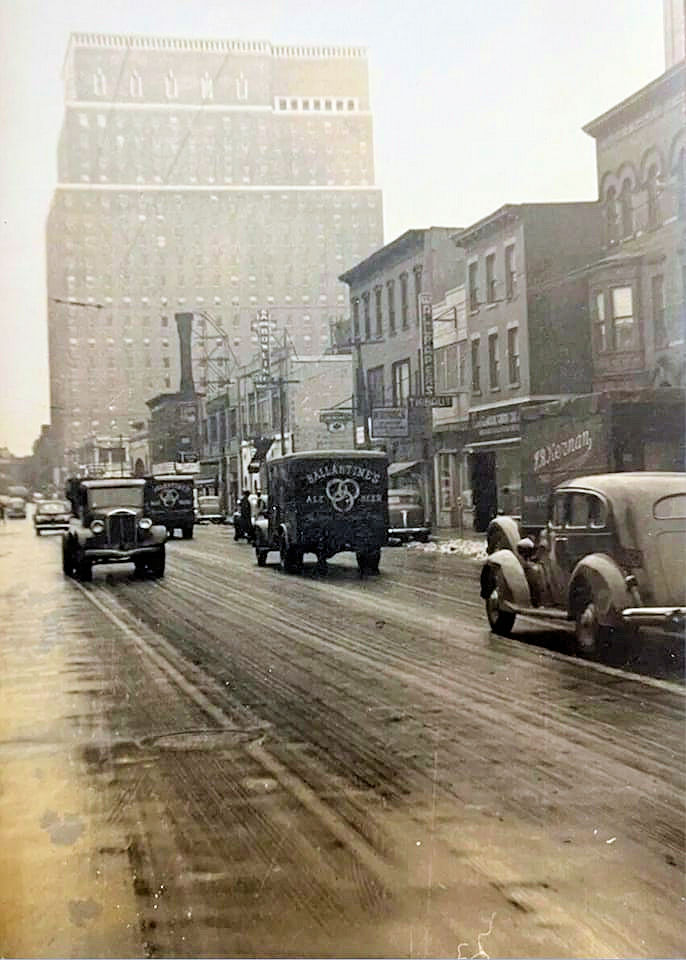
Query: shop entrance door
(484, 489)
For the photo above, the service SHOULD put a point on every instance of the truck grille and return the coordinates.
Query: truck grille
(121, 530)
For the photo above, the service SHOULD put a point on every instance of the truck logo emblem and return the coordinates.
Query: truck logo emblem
(169, 498)
(342, 493)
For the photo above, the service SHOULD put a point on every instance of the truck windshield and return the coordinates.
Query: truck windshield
(116, 497)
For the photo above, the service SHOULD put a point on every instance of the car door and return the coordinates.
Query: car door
(580, 527)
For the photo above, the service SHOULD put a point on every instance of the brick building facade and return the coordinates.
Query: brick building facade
(200, 175)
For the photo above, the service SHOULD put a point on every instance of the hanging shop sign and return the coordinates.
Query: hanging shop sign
(437, 400)
(389, 422)
(336, 420)
(427, 331)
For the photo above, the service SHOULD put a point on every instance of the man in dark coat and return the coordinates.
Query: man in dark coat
(246, 517)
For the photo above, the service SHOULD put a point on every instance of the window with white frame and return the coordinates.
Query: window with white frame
(510, 271)
(493, 362)
(401, 382)
(602, 340)
(446, 368)
(404, 306)
(367, 316)
(473, 277)
(390, 291)
(378, 305)
(375, 387)
(623, 321)
(476, 364)
(513, 355)
(490, 278)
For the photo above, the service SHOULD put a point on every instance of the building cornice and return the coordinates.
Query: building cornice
(669, 84)
(214, 45)
(412, 241)
(217, 188)
(174, 106)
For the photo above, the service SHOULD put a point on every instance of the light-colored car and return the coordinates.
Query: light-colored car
(406, 518)
(208, 510)
(16, 507)
(51, 515)
(610, 558)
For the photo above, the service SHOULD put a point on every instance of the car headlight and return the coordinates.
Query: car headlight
(145, 523)
(97, 526)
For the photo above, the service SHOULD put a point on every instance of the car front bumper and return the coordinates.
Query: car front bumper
(51, 525)
(108, 555)
(670, 618)
(408, 533)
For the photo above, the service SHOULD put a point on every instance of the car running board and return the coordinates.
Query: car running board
(550, 613)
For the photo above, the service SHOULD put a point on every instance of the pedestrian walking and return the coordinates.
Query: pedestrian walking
(245, 514)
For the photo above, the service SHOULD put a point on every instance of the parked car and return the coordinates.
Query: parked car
(406, 519)
(110, 526)
(209, 510)
(16, 507)
(51, 515)
(325, 502)
(610, 558)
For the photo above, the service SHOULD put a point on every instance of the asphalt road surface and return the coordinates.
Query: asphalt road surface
(236, 761)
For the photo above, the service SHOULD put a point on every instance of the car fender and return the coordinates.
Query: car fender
(514, 579)
(261, 528)
(503, 532)
(606, 581)
(82, 535)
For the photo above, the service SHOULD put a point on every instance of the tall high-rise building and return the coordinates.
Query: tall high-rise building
(674, 16)
(208, 176)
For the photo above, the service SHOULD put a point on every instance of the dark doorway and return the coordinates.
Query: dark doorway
(484, 489)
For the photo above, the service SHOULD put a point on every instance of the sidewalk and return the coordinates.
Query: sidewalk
(465, 543)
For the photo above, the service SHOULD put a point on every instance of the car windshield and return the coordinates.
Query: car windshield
(100, 497)
(53, 506)
(396, 499)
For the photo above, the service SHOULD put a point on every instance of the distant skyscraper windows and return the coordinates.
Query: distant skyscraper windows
(136, 84)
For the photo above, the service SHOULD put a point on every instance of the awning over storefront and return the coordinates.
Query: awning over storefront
(402, 466)
(490, 444)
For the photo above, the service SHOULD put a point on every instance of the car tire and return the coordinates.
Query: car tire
(187, 532)
(84, 568)
(261, 555)
(67, 561)
(156, 564)
(500, 621)
(590, 635)
(368, 562)
(291, 559)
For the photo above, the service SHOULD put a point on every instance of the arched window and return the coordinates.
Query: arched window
(653, 203)
(170, 86)
(611, 223)
(626, 208)
(136, 84)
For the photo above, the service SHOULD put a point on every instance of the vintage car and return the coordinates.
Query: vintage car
(110, 526)
(169, 502)
(51, 515)
(325, 502)
(610, 558)
(208, 509)
(16, 507)
(406, 518)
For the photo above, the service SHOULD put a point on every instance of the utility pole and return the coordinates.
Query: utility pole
(361, 391)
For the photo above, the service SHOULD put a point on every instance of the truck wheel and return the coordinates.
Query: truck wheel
(369, 562)
(291, 559)
(590, 634)
(501, 621)
(322, 565)
(187, 532)
(261, 555)
(84, 567)
(156, 564)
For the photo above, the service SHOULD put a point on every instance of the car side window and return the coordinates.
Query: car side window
(597, 513)
(579, 510)
(559, 509)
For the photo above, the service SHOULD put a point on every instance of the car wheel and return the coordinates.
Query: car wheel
(291, 559)
(501, 621)
(67, 561)
(187, 532)
(322, 565)
(590, 634)
(261, 555)
(369, 562)
(84, 568)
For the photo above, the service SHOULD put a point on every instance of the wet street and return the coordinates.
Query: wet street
(236, 761)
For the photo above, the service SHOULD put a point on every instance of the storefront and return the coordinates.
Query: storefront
(452, 485)
(494, 463)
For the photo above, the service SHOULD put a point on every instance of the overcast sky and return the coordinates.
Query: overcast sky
(476, 103)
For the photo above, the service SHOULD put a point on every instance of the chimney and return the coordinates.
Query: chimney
(184, 324)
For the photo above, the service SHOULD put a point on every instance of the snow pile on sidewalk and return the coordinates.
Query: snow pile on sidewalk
(476, 549)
